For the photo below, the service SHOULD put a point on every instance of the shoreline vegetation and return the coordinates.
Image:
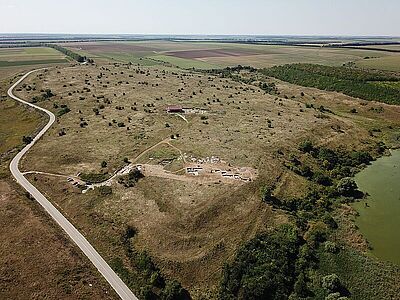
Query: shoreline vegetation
(293, 252)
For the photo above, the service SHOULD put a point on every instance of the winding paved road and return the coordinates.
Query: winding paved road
(118, 285)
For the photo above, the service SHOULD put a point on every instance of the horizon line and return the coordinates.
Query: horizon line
(204, 34)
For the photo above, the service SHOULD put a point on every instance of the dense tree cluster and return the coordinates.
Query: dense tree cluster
(264, 268)
(338, 161)
(141, 273)
(352, 82)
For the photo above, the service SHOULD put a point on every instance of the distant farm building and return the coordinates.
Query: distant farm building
(185, 110)
(175, 109)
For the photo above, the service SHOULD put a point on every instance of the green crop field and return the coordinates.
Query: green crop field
(13, 57)
(184, 63)
(129, 58)
(31, 62)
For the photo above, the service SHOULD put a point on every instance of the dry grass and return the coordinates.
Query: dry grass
(237, 118)
(190, 228)
(11, 136)
(36, 260)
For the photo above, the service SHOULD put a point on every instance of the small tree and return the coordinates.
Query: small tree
(331, 282)
(26, 139)
(321, 178)
(103, 164)
(306, 146)
(360, 157)
(331, 247)
(300, 286)
(266, 194)
(173, 290)
(346, 186)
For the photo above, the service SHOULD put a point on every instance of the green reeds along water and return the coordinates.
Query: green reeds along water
(379, 219)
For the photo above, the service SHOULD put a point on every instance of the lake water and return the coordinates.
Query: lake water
(380, 221)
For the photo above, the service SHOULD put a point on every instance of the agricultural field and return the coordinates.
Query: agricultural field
(14, 60)
(25, 56)
(218, 55)
(395, 47)
(175, 174)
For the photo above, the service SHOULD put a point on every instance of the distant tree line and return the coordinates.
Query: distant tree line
(68, 52)
(353, 82)
(20, 45)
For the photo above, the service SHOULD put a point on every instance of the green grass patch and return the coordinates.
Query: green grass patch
(184, 63)
(165, 153)
(29, 52)
(387, 63)
(94, 177)
(130, 58)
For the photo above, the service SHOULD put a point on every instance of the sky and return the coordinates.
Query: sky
(255, 17)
